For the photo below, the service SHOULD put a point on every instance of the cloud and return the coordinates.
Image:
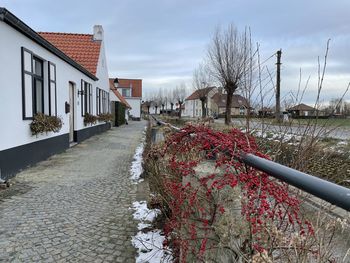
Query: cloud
(162, 41)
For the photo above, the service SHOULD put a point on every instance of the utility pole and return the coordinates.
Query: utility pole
(278, 86)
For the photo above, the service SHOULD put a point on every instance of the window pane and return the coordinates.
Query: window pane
(28, 96)
(38, 67)
(90, 99)
(126, 92)
(39, 96)
(27, 61)
(52, 72)
(46, 100)
(53, 99)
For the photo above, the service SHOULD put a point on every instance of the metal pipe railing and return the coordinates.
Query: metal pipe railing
(325, 190)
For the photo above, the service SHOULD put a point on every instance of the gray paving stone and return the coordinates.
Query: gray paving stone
(73, 207)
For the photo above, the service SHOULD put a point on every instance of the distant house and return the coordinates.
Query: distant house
(57, 74)
(266, 112)
(131, 90)
(302, 110)
(193, 104)
(116, 96)
(239, 106)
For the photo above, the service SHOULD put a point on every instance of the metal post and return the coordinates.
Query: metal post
(278, 86)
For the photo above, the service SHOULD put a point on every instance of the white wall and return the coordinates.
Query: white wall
(14, 130)
(190, 108)
(193, 108)
(135, 104)
(112, 96)
(102, 71)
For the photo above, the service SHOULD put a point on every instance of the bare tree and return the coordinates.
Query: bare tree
(161, 99)
(148, 104)
(180, 95)
(201, 82)
(229, 59)
(156, 103)
(171, 99)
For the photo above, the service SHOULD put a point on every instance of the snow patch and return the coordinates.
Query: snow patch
(142, 213)
(341, 143)
(284, 137)
(149, 243)
(136, 166)
(150, 247)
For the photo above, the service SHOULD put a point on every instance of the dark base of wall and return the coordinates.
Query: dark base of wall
(84, 134)
(15, 159)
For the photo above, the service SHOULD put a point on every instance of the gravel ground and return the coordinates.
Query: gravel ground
(74, 207)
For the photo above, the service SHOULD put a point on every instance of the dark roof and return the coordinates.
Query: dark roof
(10, 19)
(237, 100)
(199, 93)
(80, 47)
(303, 107)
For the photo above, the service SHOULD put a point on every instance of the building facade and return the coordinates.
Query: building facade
(41, 73)
(131, 90)
(193, 104)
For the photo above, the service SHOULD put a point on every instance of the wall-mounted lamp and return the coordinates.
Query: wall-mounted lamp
(116, 83)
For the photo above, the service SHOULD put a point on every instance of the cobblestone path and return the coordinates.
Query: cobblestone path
(74, 207)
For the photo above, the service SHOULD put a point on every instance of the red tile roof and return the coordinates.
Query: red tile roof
(80, 47)
(117, 93)
(136, 85)
(199, 93)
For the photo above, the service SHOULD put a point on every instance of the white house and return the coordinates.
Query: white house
(193, 104)
(131, 90)
(57, 74)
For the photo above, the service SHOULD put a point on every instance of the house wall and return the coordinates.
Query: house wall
(212, 107)
(152, 110)
(15, 132)
(102, 71)
(188, 112)
(112, 96)
(193, 108)
(135, 104)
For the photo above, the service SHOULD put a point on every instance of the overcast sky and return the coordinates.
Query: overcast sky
(162, 41)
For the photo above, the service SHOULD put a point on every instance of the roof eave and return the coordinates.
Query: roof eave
(10, 19)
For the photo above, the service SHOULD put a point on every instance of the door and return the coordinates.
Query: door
(71, 112)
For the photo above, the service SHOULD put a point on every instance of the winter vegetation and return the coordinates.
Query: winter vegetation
(216, 209)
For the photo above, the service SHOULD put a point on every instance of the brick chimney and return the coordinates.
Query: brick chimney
(98, 32)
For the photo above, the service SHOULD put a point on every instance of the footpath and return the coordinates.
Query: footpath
(74, 207)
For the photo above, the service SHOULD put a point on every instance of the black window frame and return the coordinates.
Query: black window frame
(86, 93)
(34, 78)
